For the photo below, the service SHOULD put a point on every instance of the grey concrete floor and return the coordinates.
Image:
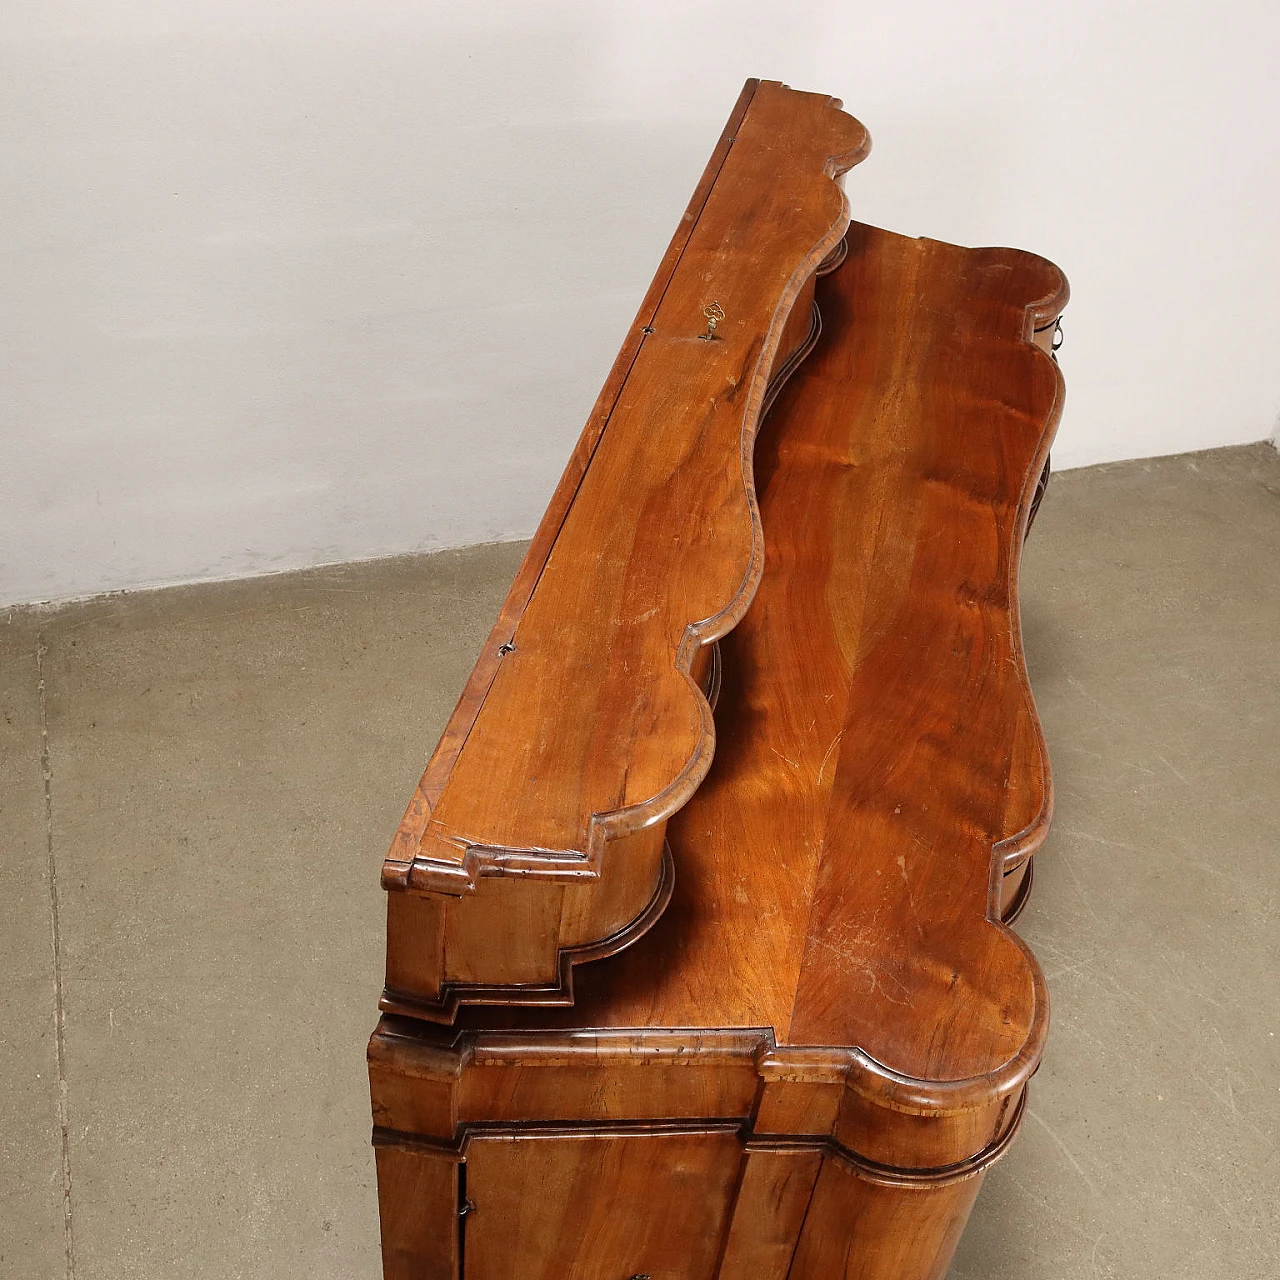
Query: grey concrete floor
(198, 786)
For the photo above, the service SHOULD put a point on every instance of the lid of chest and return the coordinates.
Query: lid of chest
(535, 839)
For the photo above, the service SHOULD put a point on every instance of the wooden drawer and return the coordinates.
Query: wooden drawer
(597, 1207)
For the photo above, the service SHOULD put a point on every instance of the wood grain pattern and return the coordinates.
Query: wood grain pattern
(446, 1089)
(856, 1231)
(418, 1205)
(548, 1207)
(644, 1152)
(573, 738)
(831, 1025)
(769, 1212)
(839, 873)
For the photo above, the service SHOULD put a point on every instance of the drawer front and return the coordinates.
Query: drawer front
(598, 1207)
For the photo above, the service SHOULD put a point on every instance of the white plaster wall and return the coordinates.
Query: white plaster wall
(296, 281)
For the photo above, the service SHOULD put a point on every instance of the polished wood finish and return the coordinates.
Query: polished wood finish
(581, 1187)
(830, 1026)
(536, 837)
(880, 763)
(543, 1196)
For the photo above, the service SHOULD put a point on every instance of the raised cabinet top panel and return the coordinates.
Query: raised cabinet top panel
(879, 764)
(584, 724)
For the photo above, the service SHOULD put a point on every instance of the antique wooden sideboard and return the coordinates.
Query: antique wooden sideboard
(699, 958)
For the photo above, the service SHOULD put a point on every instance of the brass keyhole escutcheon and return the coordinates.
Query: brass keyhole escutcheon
(713, 313)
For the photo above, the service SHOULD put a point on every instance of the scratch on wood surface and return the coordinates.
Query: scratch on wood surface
(857, 968)
(823, 767)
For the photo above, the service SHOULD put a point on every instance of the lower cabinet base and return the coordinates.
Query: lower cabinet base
(673, 1204)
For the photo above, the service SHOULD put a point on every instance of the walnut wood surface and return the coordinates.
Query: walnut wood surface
(583, 725)
(616, 1153)
(880, 761)
(541, 1197)
(833, 978)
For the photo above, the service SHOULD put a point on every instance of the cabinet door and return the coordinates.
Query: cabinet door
(598, 1207)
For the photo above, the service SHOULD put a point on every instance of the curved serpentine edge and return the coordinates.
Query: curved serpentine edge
(1013, 1074)
(429, 854)
(938, 1097)
(863, 1074)
(872, 1171)
(444, 1005)
(748, 1065)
